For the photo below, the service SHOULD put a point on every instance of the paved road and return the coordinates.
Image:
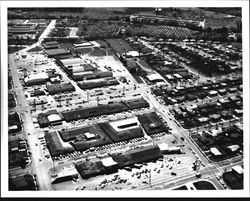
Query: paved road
(42, 176)
(42, 37)
(73, 32)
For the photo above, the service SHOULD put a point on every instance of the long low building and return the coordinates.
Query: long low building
(56, 52)
(51, 45)
(55, 144)
(97, 84)
(60, 88)
(139, 155)
(104, 109)
(90, 168)
(35, 79)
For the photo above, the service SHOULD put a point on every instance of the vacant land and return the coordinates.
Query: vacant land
(98, 52)
(119, 45)
(83, 50)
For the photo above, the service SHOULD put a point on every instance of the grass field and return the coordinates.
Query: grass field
(119, 45)
(84, 50)
(143, 63)
(97, 52)
(66, 45)
(35, 49)
(14, 49)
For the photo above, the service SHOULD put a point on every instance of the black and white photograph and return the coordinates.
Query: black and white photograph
(123, 99)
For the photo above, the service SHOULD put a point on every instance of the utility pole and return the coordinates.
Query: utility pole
(123, 93)
(88, 96)
(34, 104)
(150, 184)
(97, 99)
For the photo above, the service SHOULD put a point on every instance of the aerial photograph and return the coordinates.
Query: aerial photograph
(125, 98)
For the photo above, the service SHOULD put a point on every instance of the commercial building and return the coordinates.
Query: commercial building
(22, 182)
(65, 174)
(38, 100)
(83, 44)
(56, 52)
(155, 78)
(112, 108)
(98, 83)
(84, 138)
(165, 149)
(55, 144)
(120, 131)
(50, 118)
(50, 45)
(36, 79)
(139, 155)
(89, 169)
(233, 148)
(59, 88)
(109, 165)
(215, 152)
(151, 123)
(131, 54)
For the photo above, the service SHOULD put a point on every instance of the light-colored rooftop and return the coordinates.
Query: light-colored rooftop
(238, 169)
(132, 53)
(215, 151)
(107, 162)
(38, 76)
(54, 117)
(116, 124)
(155, 76)
(84, 44)
(234, 147)
(89, 135)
